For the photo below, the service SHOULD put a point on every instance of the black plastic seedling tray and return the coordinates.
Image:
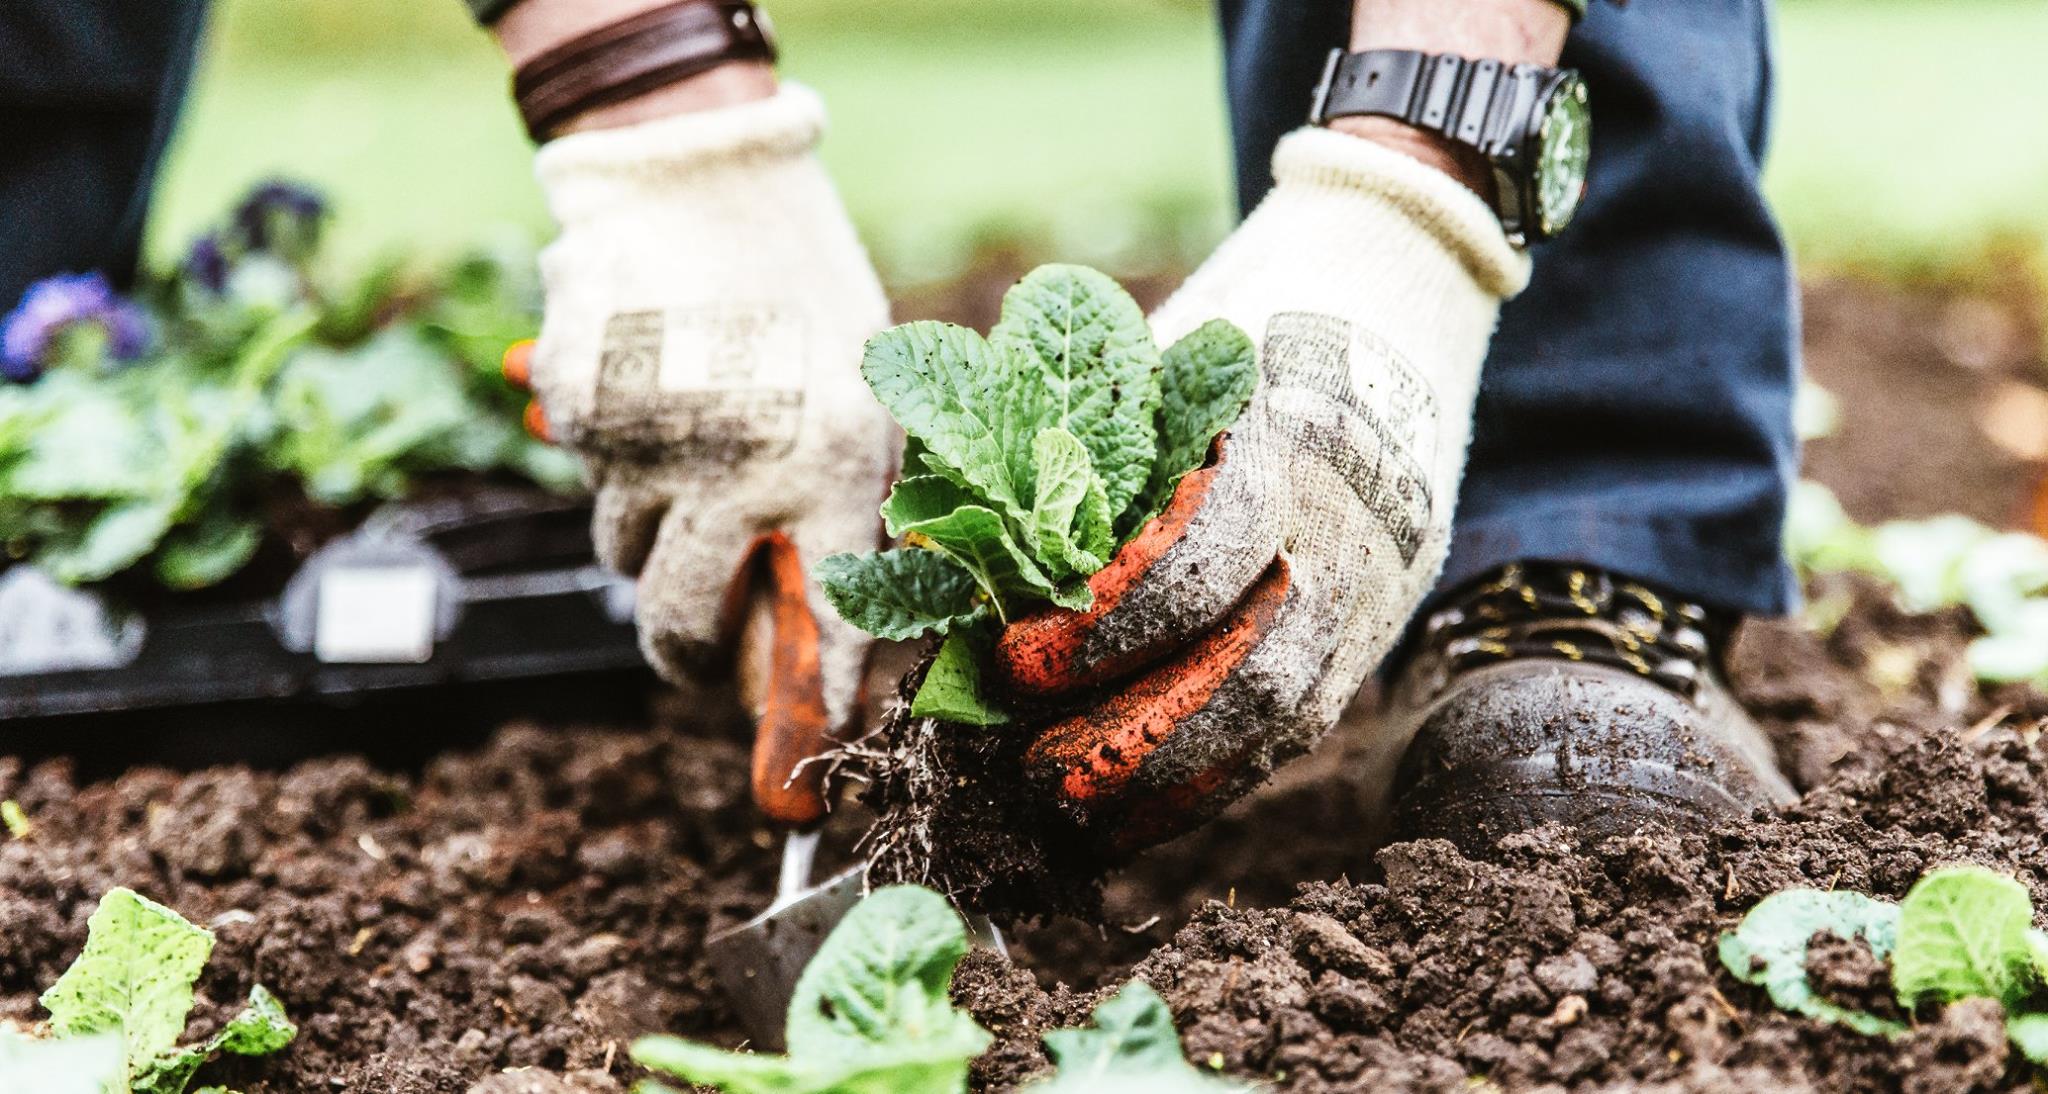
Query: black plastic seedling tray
(490, 587)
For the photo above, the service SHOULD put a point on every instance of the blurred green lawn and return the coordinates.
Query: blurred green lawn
(1093, 129)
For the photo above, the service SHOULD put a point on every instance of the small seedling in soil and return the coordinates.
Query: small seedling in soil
(1961, 933)
(1034, 454)
(873, 1011)
(130, 991)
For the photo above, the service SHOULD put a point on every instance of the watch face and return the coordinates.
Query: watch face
(1564, 148)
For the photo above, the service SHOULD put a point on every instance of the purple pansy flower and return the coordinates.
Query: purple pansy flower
(206, 264)
(281, 217)
(31, 333)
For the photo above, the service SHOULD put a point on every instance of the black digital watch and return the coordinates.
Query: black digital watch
(1532, 124)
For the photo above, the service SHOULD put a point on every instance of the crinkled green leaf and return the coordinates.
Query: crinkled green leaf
(1069, 527)
(1207, 380)
(1098, 371)
(920, 498)
(1131, 1047)
(901, 594)
(1768, 949)
(969, 404)
(71, 1065)
(1963, 933)
(952, 689)
(871, 1014)
(883, 977)
(134, 978)
(977, 538)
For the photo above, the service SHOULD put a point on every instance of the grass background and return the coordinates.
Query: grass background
(1909, 135)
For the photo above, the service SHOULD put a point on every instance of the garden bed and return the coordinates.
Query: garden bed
(541, 900)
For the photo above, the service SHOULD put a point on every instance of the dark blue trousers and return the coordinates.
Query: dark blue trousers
(89, 92)
(1636, 409)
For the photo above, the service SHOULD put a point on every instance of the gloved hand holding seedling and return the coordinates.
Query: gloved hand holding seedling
(1033, 455)
(1184, 608)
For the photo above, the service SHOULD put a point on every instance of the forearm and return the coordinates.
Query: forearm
(1515, 31)
(530, 28)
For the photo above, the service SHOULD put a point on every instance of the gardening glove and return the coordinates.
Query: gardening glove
(1252, 609)
(707, 301)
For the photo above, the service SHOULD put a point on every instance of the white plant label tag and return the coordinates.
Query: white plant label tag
(375, 615)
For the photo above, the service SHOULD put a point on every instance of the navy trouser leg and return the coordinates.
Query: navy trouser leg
(1636, 409)
(89, 91)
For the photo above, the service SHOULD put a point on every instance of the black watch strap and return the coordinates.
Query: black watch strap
(1473, 102)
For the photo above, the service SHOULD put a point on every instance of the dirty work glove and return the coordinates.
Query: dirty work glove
(1241, 622)
(707, 301)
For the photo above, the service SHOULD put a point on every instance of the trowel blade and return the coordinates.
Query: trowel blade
(758, 962)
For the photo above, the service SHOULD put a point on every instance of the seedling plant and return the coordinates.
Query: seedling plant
(873, 1012)
(148, 433)
(1961, 933)
(117, 1014)
(1033, 455)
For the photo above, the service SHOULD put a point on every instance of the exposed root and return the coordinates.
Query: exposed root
(954, 814)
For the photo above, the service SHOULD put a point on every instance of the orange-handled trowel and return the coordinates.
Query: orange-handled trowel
(758, 962)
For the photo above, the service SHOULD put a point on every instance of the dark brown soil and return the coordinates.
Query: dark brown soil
(541, 900)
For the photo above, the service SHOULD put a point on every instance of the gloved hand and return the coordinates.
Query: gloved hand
(707, 301)
(1254, 607)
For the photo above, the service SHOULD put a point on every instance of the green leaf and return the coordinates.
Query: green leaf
(920, 498)
(1963, 932)
(1069, 527)
(72, 1065)
(900, 594)
(260, 1029)
(952, 690)
(977, 539)
(1132, 1047)
(972, 406)
(882, 980)
(114, 541)
(135, 978)
(871, 1013)
(2029, 1033)
(1769, 949)
(1207, 381)
(1098, 370)
(195, 556)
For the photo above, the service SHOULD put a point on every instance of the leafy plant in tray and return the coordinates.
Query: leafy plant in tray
(155, 432)
(1033, 455)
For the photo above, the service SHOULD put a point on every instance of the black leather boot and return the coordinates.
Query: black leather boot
(1558, 694)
